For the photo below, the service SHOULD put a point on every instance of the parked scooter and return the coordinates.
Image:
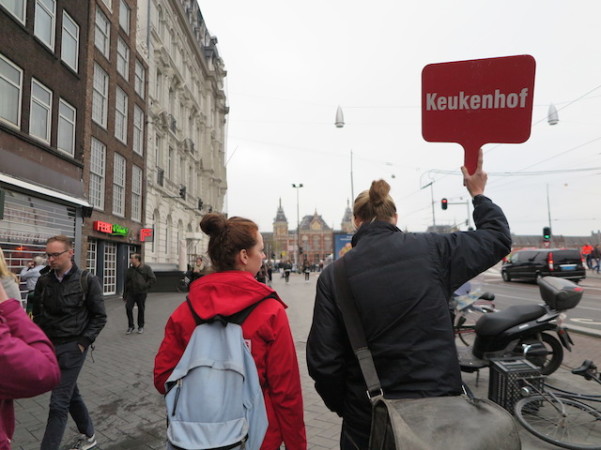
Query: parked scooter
(522, 330)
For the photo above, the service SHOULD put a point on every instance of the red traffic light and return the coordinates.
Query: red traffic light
(444, 203)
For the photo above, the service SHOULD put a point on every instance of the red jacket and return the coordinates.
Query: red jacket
(27, 363)
(272, 348)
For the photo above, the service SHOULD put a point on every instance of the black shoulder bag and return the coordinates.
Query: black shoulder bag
(453, 422)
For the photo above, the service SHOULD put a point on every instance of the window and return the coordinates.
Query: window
(70, 42)
(119, 186)
(92, 256)
(158, 85)
(139, 79)
(124, 16)
(109, 280)
(11, 80)
(138, 130)
(65, 140)
(102, 36)
(97, 163)
(100, 96)
(158, 142)
(41, 107)
(45, 12)
(121, 116)
(16, 8)
(136, 193)
(122, 58)
(108, 4)
(170, 164)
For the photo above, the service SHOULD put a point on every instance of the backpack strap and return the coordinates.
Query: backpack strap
(237, 318)
(84, 281)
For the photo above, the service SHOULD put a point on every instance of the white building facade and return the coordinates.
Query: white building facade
(187, 111)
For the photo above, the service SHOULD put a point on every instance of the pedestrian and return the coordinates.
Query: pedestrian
(30, 274)
(138, 280)
(287, 269)
(586, 252)
(262, 274)
(27, 359)
(9, 279)
(401, 284)
(68, 305)
(236, 252)
(306, 270)
(596, 258)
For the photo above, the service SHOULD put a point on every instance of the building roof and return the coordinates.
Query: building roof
(280, 216)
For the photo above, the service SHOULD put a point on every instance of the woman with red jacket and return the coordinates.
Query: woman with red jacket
(236, 252)
(27, 362)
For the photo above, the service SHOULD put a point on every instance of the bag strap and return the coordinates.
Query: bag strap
(354, 329)
(237, 318)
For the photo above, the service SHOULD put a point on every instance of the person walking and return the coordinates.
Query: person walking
(29, 365)
(236, 252)
(138, 280)
(30, 274)
(401, 284)
(68, 305)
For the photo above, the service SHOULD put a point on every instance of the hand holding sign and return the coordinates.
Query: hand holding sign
(478, 102)
(476, 182)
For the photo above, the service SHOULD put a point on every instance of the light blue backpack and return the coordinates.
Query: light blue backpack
(214, 399)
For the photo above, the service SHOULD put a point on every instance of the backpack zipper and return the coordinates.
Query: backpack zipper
(178, 386)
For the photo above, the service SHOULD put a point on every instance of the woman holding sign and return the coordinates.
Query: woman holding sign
(401, 284)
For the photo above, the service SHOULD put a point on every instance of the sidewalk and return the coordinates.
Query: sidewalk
(129, 414)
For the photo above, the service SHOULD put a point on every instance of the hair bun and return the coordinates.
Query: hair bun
(378, 192)
(213, 224)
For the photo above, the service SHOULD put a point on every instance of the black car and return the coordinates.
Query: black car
(542, 262)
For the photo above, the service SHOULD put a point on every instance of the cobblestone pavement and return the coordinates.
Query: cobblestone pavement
(128, 412)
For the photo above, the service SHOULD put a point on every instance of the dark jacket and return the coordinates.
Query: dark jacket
(138, 280)
(401, 283)
(59, 308)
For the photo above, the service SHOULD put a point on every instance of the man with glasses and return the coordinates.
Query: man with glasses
(69, 308)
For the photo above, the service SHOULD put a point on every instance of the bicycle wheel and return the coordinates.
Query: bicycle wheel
(563, 422)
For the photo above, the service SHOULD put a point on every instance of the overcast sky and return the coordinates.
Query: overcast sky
(291, 64)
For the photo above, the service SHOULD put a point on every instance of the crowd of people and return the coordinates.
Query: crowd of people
(402, 300)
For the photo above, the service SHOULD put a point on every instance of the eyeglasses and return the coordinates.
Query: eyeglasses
(55, 255)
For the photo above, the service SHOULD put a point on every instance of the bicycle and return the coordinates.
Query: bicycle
(561, 417)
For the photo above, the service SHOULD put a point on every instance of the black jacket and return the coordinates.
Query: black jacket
(401, 283)
(138, 280)
(60, 311)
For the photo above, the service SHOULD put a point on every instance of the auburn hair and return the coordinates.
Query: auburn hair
(227, 237)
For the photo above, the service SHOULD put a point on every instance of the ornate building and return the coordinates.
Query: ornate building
(315, 240)
(186, 175)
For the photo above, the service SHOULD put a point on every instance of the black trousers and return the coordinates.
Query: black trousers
(135, 299)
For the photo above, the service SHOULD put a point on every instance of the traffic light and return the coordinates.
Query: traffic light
(182, 192)
(546, 234)
(444, 203)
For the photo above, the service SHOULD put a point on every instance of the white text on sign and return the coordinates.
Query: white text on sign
(498, 100)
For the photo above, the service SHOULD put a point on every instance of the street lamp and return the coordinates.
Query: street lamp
(297, 186)
(339, 122)
(431, 186)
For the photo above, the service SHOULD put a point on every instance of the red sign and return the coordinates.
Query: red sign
(103, 227)
(146, 234)
(478, 102)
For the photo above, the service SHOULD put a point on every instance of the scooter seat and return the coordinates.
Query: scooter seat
(495, 323)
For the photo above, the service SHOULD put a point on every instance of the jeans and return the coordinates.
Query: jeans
(135, 299)
(65, 398)
(352, 439)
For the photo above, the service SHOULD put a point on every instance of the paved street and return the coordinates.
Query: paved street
(128, 412)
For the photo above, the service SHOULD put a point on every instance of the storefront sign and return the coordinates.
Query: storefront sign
(478, 102)
(146, 235)
(109, 228)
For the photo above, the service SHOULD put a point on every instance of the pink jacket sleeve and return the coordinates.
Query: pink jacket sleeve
(27, 358)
